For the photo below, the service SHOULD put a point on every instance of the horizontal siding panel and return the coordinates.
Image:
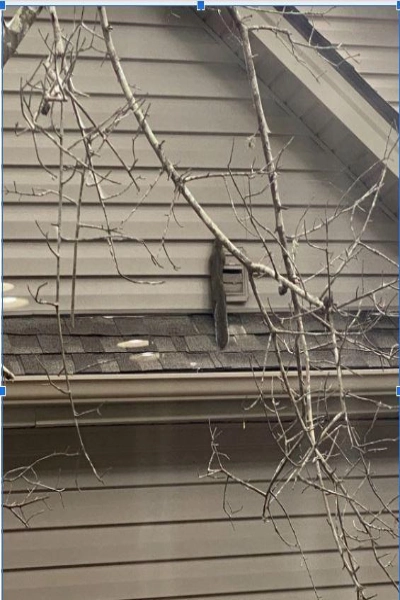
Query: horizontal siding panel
(159, 459)
(333, 13)
(168, 467)
(141, 15)
(148, 543)
(34, 259)
(170, 116)
(184, 80)
(388, 592)
(173, 16)
(374, 61)
(350, 31)
(132, 41)
(186, 578)
(297, 189)
(176, 503)
(369, 68)
(177, 540)
(207, 152)
(150, 223)
(97, 294)
(369, 36)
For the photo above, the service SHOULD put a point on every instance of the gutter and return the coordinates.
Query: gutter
(183, 397)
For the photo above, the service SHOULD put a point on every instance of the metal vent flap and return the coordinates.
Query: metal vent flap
(235, 280)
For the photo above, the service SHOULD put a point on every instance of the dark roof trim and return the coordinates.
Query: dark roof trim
(348, 72)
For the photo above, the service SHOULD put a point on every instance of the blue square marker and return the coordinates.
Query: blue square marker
(398, 390)
(200, 5)
(2, 390)
(2, 5)
(398, 5)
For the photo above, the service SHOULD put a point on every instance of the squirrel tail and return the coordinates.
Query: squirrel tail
(218, 295)
(221, 322)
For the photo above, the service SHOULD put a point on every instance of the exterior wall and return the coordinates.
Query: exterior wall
(199, 105)
(154, 529)
(369, 34)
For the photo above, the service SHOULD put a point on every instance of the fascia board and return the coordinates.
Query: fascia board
(328, 87)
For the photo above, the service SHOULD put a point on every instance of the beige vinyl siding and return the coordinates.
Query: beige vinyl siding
(369, 36)
(155, 529)
(200, 105)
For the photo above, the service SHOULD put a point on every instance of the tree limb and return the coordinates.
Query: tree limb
(15, 31)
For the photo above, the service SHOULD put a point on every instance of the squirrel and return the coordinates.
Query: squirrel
(218, 295)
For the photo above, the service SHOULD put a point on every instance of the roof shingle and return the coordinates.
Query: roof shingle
(184, 343)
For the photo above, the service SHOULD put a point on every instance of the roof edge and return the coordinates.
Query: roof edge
(322, 81)
(315, 38)
(36, 389)
(146, 398)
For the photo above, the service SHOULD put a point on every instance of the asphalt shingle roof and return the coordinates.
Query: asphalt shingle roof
(182, 343)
